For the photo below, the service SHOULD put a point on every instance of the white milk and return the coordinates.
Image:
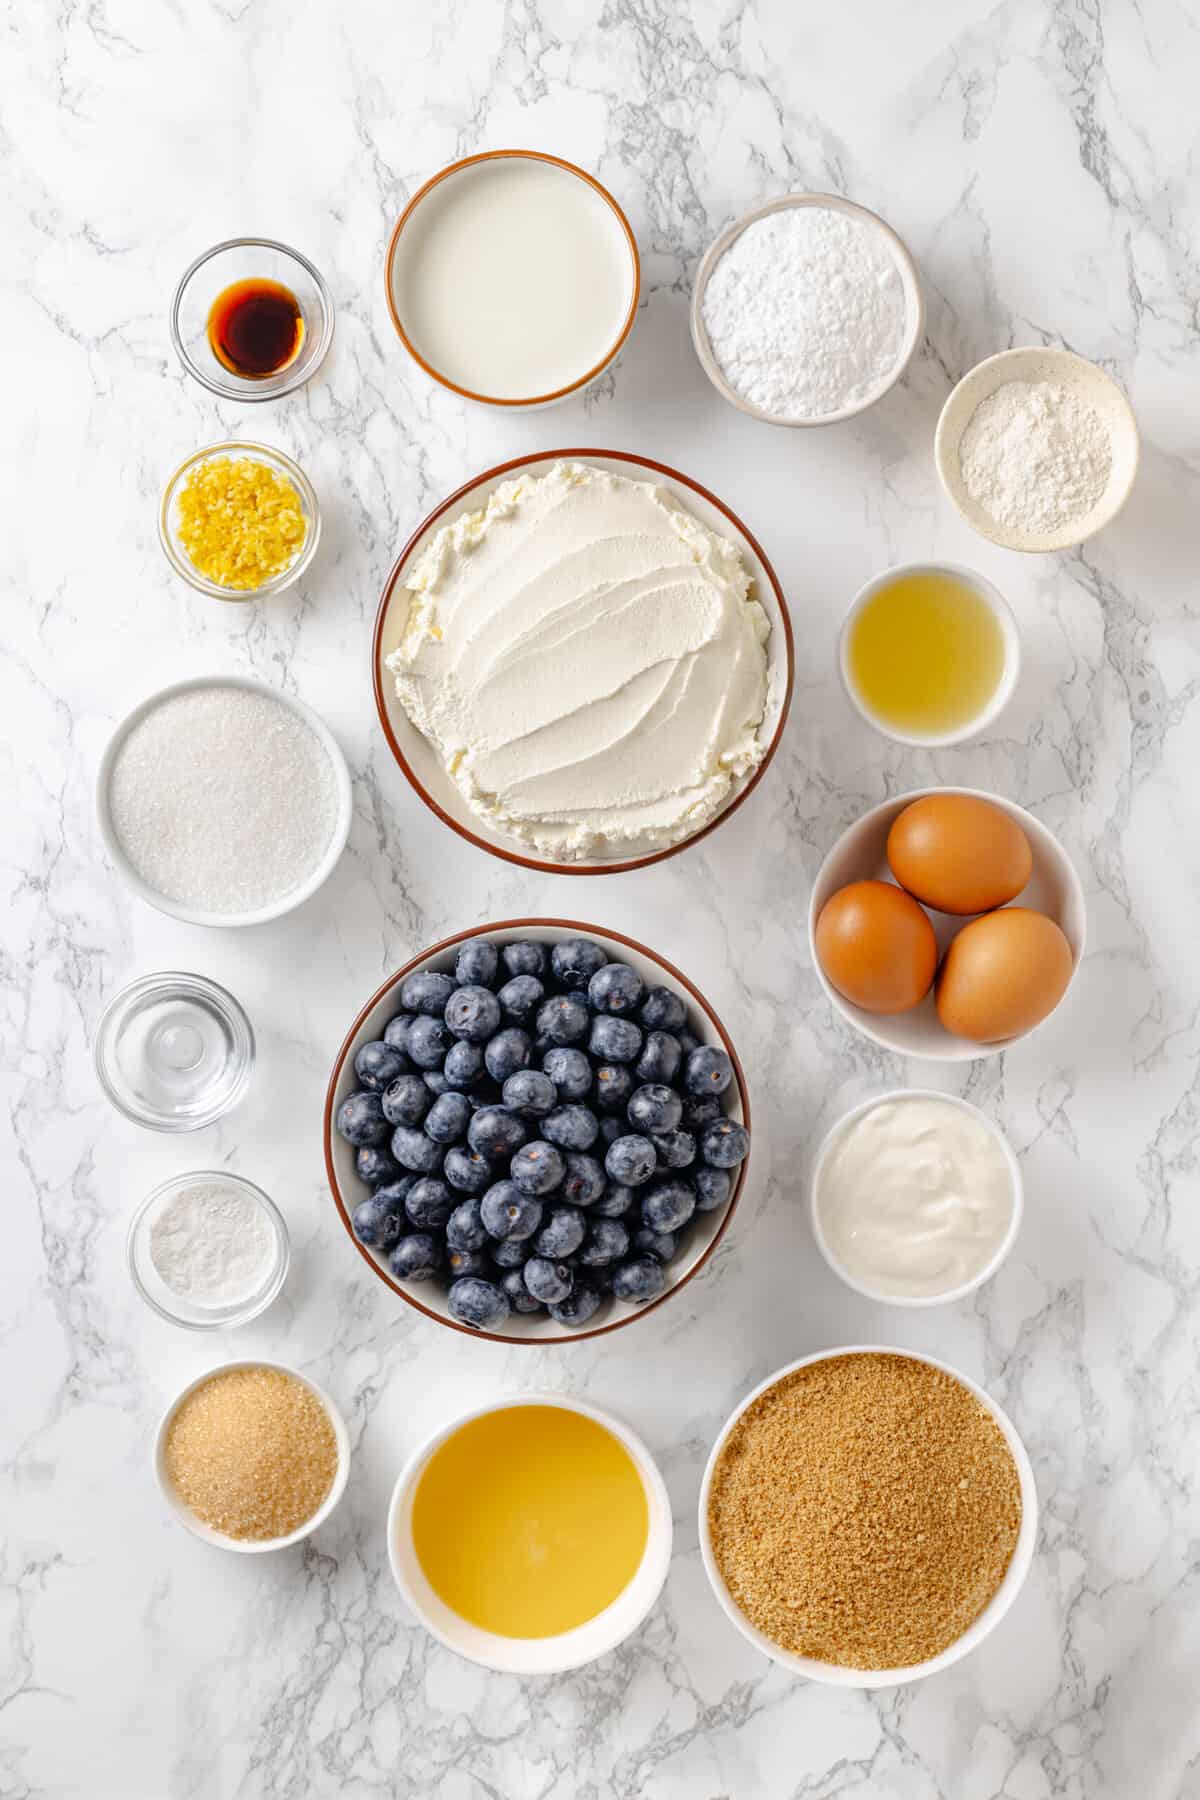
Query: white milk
(513, 278)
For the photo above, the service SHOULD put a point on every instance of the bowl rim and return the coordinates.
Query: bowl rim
(946, 442)
(252, 1546)
(917, 1302)
(244, 389)
(501, 927)
(259, 1303)
(282, 462)
(230, 1002)
(543, 865)
(909, 276)
(456, 167)
(1010, 674)
(1027, 820)
(660, 1531)
(189, 914)
(835, 1674)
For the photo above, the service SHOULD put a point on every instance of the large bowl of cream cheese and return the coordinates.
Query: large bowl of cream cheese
(582, 662)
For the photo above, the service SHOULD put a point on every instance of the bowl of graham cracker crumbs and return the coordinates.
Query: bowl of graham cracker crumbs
(252, 1456)
(867, 1516)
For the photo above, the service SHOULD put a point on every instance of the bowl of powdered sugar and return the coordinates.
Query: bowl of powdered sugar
(806, 311)
(1038, 449)
(224, 802)
(208, 1250)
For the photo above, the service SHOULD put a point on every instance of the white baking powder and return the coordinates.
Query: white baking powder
(1035, 456)
(212, 1244)
(223, 799)
(806, 312)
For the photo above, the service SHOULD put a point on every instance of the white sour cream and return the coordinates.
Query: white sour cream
(914, 1197)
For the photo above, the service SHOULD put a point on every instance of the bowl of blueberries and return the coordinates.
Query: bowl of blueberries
(536, 1131)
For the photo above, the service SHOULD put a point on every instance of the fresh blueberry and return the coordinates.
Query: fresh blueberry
(416, 1257)
(508, 1213)
(668, 1205)
(466, 1170)
(512, 1253)
(548, 1281)
(524, 958)
(413, 1150)
(379, 1222)
(713, 1187)
(426, 992)
(466, 1262)
(374, 1165)
(571, 1127)
(569, 1070)
(538, 1168)
(611, 1129)
(660, 1058)
(654, 1107)
(575, 961)
(584, 1181)
(429, 1203)
(616, 988)
(480, 1304)
(463, 1065)
(688, 1039)
(708, 1071)
(496, 1132)
(510, 1050)
(724, 1144)
(377, 1065)
(448, 1118)
(361, 1120)
(473, 1013)
(512, 1286)
(396, 1031)
(562, 1233)
(406, 1101)
(520, 998)
(530, 1093)
(435, 1081)
(698, 1113)
(662, 1244)
(663, 1010)
(607, 1241)
(639, 1279)
(477, 964)
(676, 1149)
(613, 1203)
(428, 1042)
(564, 1019)
(465, 1229)
(631, 1160)
(614, 1040)
(578, 1306)
(614, 1084)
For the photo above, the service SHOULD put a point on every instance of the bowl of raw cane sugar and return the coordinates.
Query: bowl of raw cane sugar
(867, 1516)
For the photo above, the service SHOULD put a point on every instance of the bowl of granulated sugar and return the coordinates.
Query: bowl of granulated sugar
(223, 802)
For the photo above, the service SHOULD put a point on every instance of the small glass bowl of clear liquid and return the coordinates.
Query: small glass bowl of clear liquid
(174, 1051)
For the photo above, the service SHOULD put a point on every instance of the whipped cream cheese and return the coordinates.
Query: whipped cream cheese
(586, 659)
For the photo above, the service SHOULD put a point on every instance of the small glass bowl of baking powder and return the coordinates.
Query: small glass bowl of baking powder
(208, 1250)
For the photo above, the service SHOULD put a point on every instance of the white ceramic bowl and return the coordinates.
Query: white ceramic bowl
(833, 1674)
(906, 268)
(417, 757)
(252, 1546)
(1088, 383)
(277, 908)
(831, 1138)
(1002, 613)
(429, 1297)
(860, 854)
(532, 1656)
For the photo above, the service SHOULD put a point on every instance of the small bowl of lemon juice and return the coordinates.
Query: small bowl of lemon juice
(929, 654)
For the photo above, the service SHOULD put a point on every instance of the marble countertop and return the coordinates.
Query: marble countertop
(1041, 163)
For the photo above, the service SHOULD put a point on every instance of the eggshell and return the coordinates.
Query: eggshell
(959, 854)
(876, 946)
(1003, 974)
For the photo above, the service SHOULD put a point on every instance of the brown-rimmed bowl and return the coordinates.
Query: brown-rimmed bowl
(429, 1297)
(419, 760)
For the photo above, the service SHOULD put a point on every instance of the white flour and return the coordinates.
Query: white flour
(212, 1244)
(1035, 457)
(806, 312)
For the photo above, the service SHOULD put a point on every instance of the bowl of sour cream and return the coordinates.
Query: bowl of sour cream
(916, 1198)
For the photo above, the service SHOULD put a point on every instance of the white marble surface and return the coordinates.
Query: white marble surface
(1041, 163)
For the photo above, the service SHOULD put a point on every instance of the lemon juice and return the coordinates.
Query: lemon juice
(926, 653)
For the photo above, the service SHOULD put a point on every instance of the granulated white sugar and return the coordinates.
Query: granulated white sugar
(223, 799)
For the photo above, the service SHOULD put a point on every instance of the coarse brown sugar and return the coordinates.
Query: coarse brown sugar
(864, 1511)
(252, 1452)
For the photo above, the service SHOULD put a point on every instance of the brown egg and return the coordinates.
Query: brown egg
(876, 946)
(1002, 974)
(958, 854)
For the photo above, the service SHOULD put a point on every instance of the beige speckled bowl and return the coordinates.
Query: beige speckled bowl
(1087, 383)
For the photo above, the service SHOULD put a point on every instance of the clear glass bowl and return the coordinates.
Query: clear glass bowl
(168, 521)
(245, 259)
(178, 1308)
(174, 1051)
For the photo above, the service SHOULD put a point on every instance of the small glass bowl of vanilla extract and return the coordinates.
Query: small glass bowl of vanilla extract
(252, 319)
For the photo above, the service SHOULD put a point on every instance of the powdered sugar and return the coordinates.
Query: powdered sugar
(212, 1244)
(1035, 457)
(806, 312)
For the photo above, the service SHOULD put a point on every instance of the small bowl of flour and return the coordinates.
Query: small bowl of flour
(208, 1250)
(1038, 449)
(806, 311)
